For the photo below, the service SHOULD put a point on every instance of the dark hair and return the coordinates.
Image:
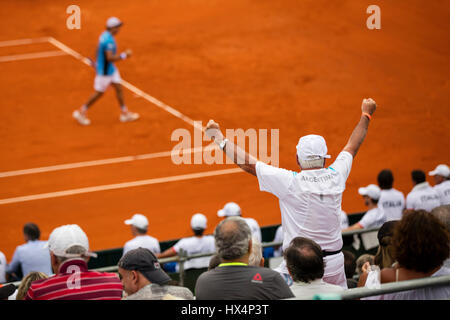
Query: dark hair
(418, 176)
(140, 230)
(385, 179)
(304, 260)
(198, 232)
(420, 242)
(349, 264)
(32, 231)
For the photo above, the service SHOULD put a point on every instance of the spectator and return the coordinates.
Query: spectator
(310, 201)
(232, 209)
(422, 195)
(391, 200)
(374, 217)
(256, 255)
(2, 268)
(31, 256)
(69, 252)
(139, 226)
(214, 262)
(234, 279)
(384, 256)
(420, 244)
(304, 260)
(197, 244)
(6, 291)
(362, 259)
(441, 177)
(443, 215)
(144, 279)
(26, 283)
(350, 268)
(278, 250)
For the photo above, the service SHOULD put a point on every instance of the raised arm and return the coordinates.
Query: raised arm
(243, 159)
(359, 133)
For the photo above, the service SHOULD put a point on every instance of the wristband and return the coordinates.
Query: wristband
(367, 115)
(123, 56)
(223, 143)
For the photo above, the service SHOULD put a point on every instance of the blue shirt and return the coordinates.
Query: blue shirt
(106, 43)
(31, 256)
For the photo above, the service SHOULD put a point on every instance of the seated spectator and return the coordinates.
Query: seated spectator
(391, 200)
(69, 252)
(197, 244)
(139, 227)
(144, 279)
(234, 279)
(304, 260)
(256, 255)
(232, 209)
(6, 291)
(31, 256)
(420, 244)
(422, 195)
(2, 268)
(443, 215)
(26, 283)
(278, 250)
(441, 177)
(384, 256)
(350, 268)
(361, 261)
(374, 217)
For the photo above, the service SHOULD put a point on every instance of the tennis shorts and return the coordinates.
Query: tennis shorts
(101, 82)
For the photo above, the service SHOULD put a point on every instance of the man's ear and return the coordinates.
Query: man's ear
(261, 263)
(134, 276)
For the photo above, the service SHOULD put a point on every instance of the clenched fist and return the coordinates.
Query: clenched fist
(213, 131)
(368, 106)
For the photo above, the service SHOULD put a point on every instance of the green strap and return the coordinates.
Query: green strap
(232, 264)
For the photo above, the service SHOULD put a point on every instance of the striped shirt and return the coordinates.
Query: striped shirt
(75, 282)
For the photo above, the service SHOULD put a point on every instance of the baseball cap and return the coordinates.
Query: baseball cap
(144, 261)
(113, 22)
(441, 170)
(311, 147)
(372, 191)
(67, 236)
(231, 209)
(138, 220)
(198, 221)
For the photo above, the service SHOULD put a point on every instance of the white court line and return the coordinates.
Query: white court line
(83, 164)
(33, 55)
(119, 185)
(19, 42)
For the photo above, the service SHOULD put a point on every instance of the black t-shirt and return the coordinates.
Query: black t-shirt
(241, 283)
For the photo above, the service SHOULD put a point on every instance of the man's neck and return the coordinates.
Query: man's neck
(243, 259)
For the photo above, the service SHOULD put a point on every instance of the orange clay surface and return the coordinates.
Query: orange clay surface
(298, 66)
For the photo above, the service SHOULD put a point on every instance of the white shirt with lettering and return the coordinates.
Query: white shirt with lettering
(143, 241)
(310, 205)
(422, 197)
(196, 245)
(392, 202)
(443, 191)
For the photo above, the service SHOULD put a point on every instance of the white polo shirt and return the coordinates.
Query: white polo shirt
(196, 245)
(392, 202)
(443, 191)
(422, 197)
(373, 218)
(310, 202)
(143, 241)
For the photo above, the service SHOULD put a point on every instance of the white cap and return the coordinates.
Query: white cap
(198, 221)
(138, 220)
(311, 147)
(441, 170)
(113, 22)
(230, 209)
(63, 238)
(372, 191)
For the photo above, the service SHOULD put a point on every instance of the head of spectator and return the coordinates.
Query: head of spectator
(418, 176)
(214, 262)
(198, 224)
(350, 268)
(312, 152)
(6, 291)
(233, 239)
(420, 242)
(26, 283)
(231, 209)
(384, 256)
(68, 242)
(31, 232)
(138, 224)
(385, 179)
(371, 195)
(440, 174)
(362, 259)
(256, 255)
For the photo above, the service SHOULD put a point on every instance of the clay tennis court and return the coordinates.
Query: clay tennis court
(298, 66)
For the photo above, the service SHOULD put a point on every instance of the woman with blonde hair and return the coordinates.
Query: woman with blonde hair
(26, 283)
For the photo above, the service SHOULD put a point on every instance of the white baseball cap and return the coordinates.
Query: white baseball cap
(311, 147)
(441, 170)
(113, 22)
(67, 236)
(372, 191)
(138, 220)
(230, 209)
(198, 221)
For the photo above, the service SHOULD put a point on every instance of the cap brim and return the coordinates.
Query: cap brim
(221, 213)
(128, 222)
(362, 191)
(432, 173)
(156, 276)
